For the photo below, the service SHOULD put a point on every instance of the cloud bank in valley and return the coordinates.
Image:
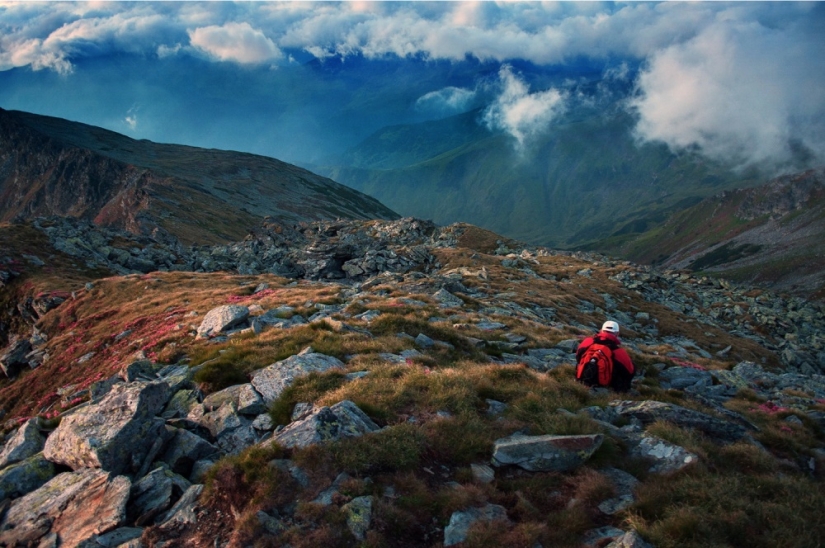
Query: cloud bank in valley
(740, 82)
(520, 113)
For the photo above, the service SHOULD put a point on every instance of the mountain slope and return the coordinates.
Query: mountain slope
(50, 166)
(771, 234)
(581, 181)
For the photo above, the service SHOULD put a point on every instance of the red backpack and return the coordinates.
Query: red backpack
(596, 366)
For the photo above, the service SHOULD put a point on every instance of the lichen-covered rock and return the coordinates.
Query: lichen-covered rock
(221, 319)
(359, 516)
(71, 508)
(460, 522)
(24, 477)
(624, 484)
(180, 404)
(652, 411)
(545, 453)
(115, 434)
(342, 420)
(25, 442)
(272, 380)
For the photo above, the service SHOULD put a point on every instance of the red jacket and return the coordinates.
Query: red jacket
(620, 355)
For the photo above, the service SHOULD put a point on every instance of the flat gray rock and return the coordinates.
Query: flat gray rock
(682, 377)
(272, 380)
(26, 442)
(545, 453)
(221, 319)
(115, 434)
(342, 420)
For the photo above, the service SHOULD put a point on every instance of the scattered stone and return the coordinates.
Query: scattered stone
(596, 537)
(342, 420)
(272, 380)
(184, 449)
(495, 407)
(483, 473)
(545, 453)
(447, 299)
(424, 341)
(683, 377)
(651, 411)
(246, 399)
(359, 516)
(14, 358)
(460, 522)
(667, 457)
(183, 512)
(220, 319)
(631, 539)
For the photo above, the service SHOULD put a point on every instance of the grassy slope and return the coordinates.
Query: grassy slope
(764, 502)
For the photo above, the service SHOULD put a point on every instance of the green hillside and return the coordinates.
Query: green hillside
(585, 179)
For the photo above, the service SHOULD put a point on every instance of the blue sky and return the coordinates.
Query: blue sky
(741, 82)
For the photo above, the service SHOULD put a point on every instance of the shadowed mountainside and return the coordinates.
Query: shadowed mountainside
(50, 166)
(769, 235)
(580, 181)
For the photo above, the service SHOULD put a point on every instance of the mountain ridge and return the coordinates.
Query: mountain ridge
(70, 168)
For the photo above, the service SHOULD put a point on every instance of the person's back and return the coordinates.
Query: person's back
(605, 345)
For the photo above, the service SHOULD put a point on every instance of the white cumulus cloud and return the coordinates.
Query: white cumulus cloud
(742, 93)
(238, 42)
(520, 113)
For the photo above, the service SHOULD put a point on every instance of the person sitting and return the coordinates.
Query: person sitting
(603, 362)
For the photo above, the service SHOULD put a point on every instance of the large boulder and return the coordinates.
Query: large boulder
(232, 432)
(272, 380)
(24, 477)
(651, 411)
(342, 420)
(116, 434)
(545, 453)
(71, 508)
(460, 522)
(25, 442)
(221, 319)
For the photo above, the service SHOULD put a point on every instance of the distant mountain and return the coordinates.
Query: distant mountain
(51, 166)
(773, 234)
(581, 181)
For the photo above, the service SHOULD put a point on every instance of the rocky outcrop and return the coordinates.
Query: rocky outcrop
(651, 411)
(115, 434)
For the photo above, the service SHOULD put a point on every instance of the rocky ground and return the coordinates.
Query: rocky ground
(393, 383)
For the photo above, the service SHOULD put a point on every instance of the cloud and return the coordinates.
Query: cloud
(237, 42)
(520, 113)
(741, 93)
(448, 100)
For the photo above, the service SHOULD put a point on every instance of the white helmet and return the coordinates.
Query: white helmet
(611, 327)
